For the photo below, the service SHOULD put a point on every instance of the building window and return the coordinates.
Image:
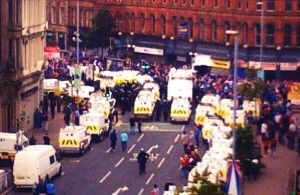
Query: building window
(62, 15)
(203, 3)
(239, 4)
(271, 5)
(214, 31)
(18, 12)
(201, 26)
(142, 22)
(228, 3)
(270, 31)
(132, 22)
(163, 25)
(257, 34)
(245, 33)
(10, 49)
(164, 1)
(153, 1)
(298, 36)
(298, 6)
(53, 15)
(175, 2)
(288, 5)
(287, 35)
(226, 27)
(183, 2)
(192, 2)
(175, 26)
(18, 49)
(190, 28)
(10, 11)
(152, 21)
(247, 4)
(215, 3)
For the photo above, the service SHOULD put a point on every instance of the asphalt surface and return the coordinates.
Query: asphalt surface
(277, 178)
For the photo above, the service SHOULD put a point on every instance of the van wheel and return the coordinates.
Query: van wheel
(47, 179)
(60, 171)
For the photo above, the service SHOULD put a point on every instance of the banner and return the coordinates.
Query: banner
(220, 64)
(147, 50)
(255, 65)
(269, 66)
(286, 66)
(294, 93)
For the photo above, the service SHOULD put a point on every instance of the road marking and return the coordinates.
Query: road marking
(108, 150)
(161, 162)
(131, 148)
(149, 179)
(141, 191)
(141, 136)
(176, 138)
(119, 162)
(62, 173)
(170, 148)
(182, 128)
(105, 176)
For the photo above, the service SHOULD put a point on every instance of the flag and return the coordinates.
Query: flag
(233, 183)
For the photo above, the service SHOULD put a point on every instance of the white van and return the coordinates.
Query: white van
(34, 162)
(11, 143)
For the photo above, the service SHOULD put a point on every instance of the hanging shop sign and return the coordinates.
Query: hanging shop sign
(147, 50)
(225, 64)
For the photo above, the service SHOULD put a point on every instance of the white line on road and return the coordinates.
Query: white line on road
(131, 148)
(105, 176)
(176, 138)
(62, 173)
(108, 150)
(161, 162)
(170, 148)
(141, 191)
(150, 178)
(141, 136)
(183, 127)
(119, 162)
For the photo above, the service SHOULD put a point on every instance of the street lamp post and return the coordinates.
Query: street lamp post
(236, 40)
(261, 4)
(77, 35)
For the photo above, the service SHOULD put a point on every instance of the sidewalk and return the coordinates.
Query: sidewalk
(278, 178)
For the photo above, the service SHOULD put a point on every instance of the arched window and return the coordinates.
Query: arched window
(118, 22)
(298, 36)
(126, 22)
(152, 23)
(287, 35)
(257, 34)
(175, 26)
(163, 25)
(270, 31)
(270, 5)
(226, 27)
(245, 33)
(142, 22)
(190, 28)
(214, 31)
(132, 22)
(201, 30)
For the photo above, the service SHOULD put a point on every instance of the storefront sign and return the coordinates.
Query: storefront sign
(294, 93)
(255, 65)
(288, 66)
(269, 66)
(242, 64)
(220, 64)
(147, 50)
(181, 59)
(52, 52)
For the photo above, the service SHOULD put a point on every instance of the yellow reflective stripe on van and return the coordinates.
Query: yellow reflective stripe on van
(142, 110)
(106, 113)
(68, 142)
(223, 113)
(179, 112)
(92, 129)
(200, 119)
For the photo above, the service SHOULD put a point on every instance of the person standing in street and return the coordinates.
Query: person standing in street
(52, 107)
(142, 160)
(132, 124)
(155, 190)
(76, 116)
(197, 134)
(124, 139)
(139, 126)
(185, 140)
(50, 188)
(46, 139)
(32, 140)
(113, 140)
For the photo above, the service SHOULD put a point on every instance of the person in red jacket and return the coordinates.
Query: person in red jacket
(184, 162)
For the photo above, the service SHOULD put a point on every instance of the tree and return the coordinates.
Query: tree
(102, 29)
